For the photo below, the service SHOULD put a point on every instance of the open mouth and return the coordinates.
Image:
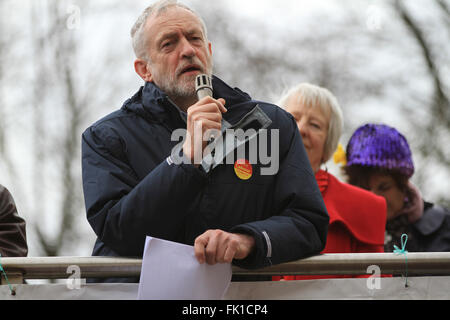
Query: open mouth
(190, 69)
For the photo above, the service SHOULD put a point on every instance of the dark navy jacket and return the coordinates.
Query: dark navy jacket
(132, 191)
(432, 232)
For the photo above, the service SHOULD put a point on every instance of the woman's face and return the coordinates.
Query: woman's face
(384, 185)
(313, 125)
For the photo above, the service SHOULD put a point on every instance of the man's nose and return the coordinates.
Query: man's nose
(187, 50)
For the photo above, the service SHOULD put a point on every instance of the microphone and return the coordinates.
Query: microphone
(203, 86)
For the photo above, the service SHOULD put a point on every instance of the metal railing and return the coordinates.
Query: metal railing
(431, 263)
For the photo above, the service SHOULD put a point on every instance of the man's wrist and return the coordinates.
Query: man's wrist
(246, 245)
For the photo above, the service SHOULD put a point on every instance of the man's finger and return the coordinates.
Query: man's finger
(222, 248)
(210, 104)
(211, 249)
(199, 248)
(231, 251)
(213, 116)
(222, 105)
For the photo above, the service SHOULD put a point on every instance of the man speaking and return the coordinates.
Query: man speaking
(230, 212)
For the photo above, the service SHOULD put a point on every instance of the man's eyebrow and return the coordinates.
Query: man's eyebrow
(174, 34)
(165, 36)
(194, 31)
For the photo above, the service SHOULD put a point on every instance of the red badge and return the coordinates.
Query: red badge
(243, 169)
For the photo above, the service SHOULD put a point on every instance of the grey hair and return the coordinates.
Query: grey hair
(312, 96)
(139, 41)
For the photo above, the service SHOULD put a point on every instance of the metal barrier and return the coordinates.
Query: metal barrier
(417, 264)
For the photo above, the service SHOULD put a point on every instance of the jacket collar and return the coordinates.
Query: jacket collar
(353, 214)
(152, 102)
(431, 221)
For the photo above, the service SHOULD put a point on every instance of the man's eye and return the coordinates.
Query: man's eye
(196, 39)
(166, 44)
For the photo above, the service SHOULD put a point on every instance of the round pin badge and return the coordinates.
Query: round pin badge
(243, 169)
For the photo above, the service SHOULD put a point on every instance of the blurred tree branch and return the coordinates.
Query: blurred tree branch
(434, 134)
(5, 44)
(444, 7)
(60, 41)
(440, 103)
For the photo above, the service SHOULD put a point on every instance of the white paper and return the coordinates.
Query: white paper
(170, 271)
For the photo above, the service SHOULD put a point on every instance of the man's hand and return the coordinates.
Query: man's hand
(217, 246)
(204, 116)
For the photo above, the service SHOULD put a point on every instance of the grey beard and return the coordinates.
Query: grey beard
(181, 90)
(185, 90)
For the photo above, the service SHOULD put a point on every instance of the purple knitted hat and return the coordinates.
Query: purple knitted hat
(377, 145)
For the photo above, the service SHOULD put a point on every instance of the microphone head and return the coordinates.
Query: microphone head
(203, 86)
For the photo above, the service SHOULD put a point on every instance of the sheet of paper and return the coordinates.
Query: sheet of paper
(170, 271)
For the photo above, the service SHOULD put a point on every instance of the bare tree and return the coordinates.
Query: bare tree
(72, 95)
(433, 145)
(2, 116)
(5, 156)
(54, 61)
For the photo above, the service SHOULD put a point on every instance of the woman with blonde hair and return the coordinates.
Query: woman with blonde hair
(357, 217)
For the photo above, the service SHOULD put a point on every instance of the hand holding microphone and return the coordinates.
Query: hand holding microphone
(204, 118)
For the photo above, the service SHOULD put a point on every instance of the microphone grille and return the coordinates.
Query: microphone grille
(203, 81)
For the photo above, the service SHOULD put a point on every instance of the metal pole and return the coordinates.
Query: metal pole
(59, 267)
(431, 263)
(358, 264)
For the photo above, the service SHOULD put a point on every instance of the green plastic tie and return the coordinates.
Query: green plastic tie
(397, 250)
(6, 277)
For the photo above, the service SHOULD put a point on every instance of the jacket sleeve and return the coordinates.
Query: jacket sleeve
(299, 225)
(122, 209)
(13, 242)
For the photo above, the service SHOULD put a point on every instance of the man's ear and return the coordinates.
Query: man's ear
(210, 48)
(143, 69)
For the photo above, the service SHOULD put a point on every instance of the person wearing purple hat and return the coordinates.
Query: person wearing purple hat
(379, 159)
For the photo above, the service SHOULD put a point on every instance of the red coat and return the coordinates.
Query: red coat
(357, 219)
